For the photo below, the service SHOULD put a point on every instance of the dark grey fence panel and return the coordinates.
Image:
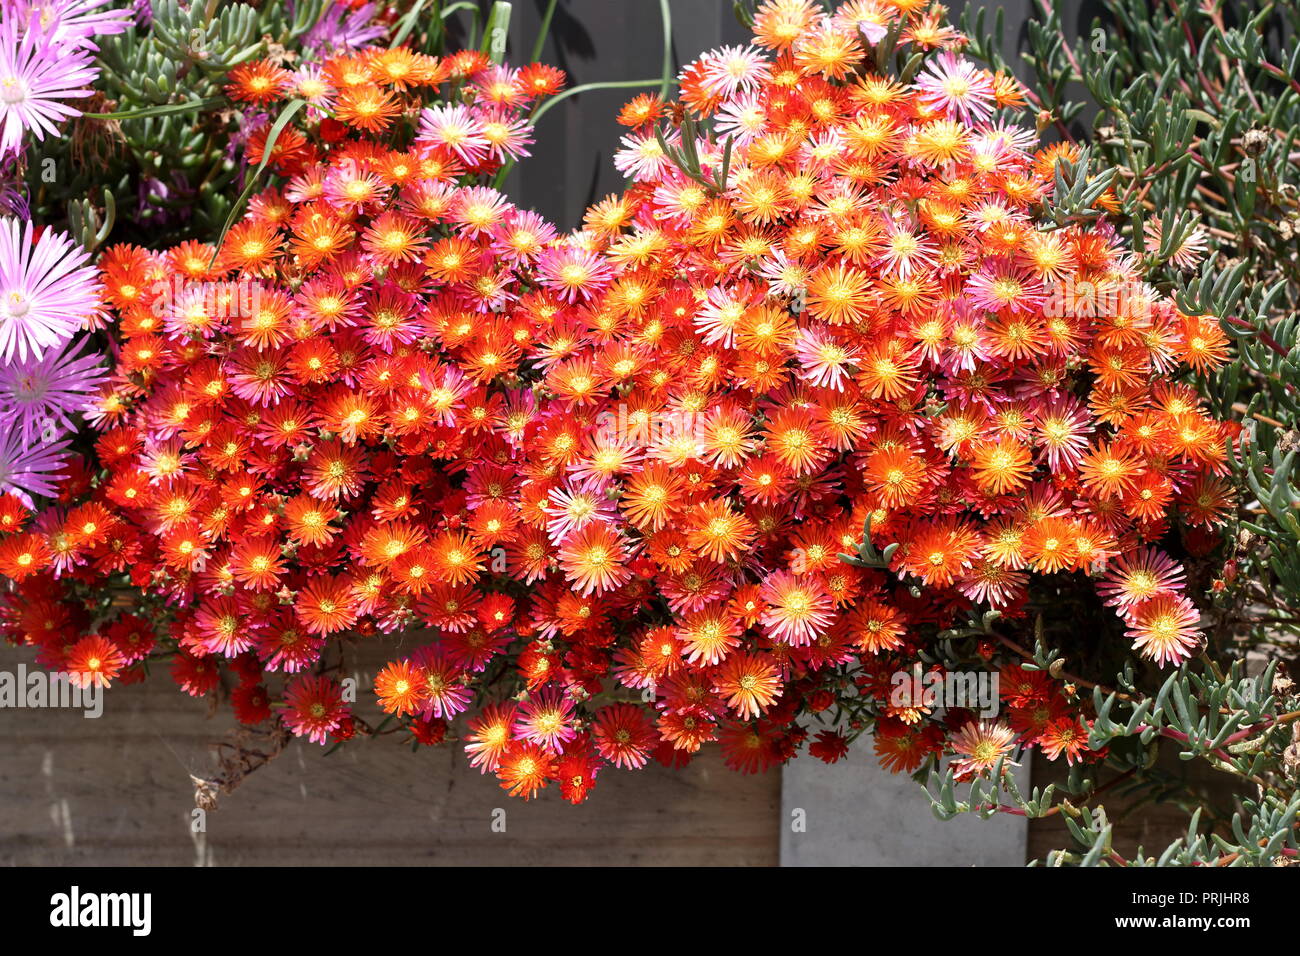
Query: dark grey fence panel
(605, 40)
(596, 41)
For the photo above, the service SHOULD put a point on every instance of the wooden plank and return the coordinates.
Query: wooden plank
(117, 791)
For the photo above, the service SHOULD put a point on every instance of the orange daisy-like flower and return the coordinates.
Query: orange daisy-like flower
(839, 294)
(594, 559)
(796, 440)
(876, 626)
(524, 769)
(717, 532)
(896, 475)
(259, 82)
(938, 552)
(326, 606)
(1001, 466)
(748, 682)
(370, 108)
(399, 688)
(455, 558)
(250, 246)
(23, 554)
(1202, 344)
(1049, 544)
(309, 520)
(1109, 470)
(93, 661)
(318, 236)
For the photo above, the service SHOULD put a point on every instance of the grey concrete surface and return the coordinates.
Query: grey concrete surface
(857, 814)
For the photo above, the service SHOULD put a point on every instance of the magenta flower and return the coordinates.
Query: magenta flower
(342, 29)
(40, 394)
(314, 707)
(573, 274)
(36, 72)
(29, 470)
(47, 291)
(546, 719)
(445, 693)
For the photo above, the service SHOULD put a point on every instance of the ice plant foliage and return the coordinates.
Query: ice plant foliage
(604, 483)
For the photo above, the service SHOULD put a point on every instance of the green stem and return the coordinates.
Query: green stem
(292, 107)
(543, 30)
(166, 109)
(667, 79)
(613, 85)
(407, 23)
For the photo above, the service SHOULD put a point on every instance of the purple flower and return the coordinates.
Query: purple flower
(13, 191)
(35, 74)
(28, 470)
(71, 23)
(333, 32)
(46, 290)
(40, 394)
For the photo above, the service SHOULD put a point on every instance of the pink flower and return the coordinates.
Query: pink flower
(1164, 628)
(824, 361)
(1138, 576)
(573, 274)
(315, 707)
(641, 158)
(444, 689)
(47, 291)
(958, 87)
(1001, 285)
(546, 720)
(457, 128)
(733, 69)
(36, 72)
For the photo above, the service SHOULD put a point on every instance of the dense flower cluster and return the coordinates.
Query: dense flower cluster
(609, 476)
(863, 322)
